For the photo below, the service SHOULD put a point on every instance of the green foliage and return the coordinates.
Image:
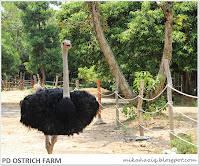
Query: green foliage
(149, 81)
(37, 18)
(134, 30)
(183, 147)
(10, 58)
(143, 38)
(11, 40)
(155, 106)
(85, 50)
(185, 37)
(149, 84)
(146, 116)
(88, 74)
(130, 111)
(158, 104)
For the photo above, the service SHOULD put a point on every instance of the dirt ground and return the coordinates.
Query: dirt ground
(95, 139)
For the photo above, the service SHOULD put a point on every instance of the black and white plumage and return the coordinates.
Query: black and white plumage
(56, 111)
(52, 114)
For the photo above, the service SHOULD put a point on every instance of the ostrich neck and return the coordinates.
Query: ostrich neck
(66, 92)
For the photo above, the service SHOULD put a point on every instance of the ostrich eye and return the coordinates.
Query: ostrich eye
(63, 43)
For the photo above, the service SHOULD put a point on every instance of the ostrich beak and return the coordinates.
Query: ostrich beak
(67, 44)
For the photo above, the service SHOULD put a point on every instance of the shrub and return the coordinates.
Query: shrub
(87, 74)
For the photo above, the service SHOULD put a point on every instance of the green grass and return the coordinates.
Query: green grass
(184, 147)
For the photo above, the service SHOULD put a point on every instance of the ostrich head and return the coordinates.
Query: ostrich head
(66, 45)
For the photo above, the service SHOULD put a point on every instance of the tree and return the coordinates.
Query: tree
(10, 57)
(134, 30)
(167, 8)
(11, 40)
(85, 51)
(146, 32)
(43, 37)
(142, 40)
(125, 88)
(88, 74)
(185, 44)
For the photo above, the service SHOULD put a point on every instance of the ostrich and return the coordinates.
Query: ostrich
(59, 111)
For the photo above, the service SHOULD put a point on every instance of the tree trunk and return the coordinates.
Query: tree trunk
(187, 83)
(114, 67)
(167, 51)
(43, 75)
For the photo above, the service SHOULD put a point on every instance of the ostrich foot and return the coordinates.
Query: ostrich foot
(50, 145)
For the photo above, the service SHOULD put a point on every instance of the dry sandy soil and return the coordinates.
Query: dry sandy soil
(95, 139)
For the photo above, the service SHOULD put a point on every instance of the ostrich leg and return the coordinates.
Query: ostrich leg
(53, 140)
(50, 145)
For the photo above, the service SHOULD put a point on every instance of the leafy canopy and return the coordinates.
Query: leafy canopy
(42, 34)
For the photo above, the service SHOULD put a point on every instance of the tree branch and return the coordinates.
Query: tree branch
(4, 17)
(162, 6)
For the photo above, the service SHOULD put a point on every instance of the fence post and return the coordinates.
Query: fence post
(6, 84)
(2, 84)
(21, 84)
(21, 75)
(169, 97)
(117, 99)
(35, 79)
(99, 98)
(38, 78)
(56, 84)
(9, 85)
(12, 85)
(77, 84)
(139, 108)
(15, 82)
(99, 120)
(32, 83)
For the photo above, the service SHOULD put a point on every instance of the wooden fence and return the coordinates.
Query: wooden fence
(16, 84)
(21, 84)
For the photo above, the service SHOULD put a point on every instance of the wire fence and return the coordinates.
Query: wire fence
(167, 104)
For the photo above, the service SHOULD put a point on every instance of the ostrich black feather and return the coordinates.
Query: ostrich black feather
(52, 114)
